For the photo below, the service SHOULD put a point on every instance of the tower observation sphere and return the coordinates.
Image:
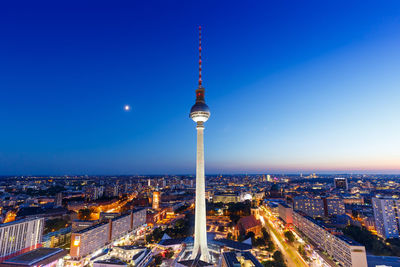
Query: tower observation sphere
(200, 111)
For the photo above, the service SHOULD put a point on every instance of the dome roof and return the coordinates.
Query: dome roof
(199, 106)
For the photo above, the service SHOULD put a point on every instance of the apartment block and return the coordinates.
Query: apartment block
(346, 252)
(313, 207)
(387, 214)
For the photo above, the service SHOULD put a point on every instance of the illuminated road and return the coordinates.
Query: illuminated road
(290, 254)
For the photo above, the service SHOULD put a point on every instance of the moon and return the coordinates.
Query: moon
(127, 108)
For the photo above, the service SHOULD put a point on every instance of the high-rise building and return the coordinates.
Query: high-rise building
(58, 200)
(313, 207)
(112, 190)
(334, 206)
(387, 214)
(200, 113)
(341, 183)
(20, 236)
(156, 200)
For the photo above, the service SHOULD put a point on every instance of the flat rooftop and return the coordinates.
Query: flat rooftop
(112, 261)
(19, 221)
(35, 256)
(231, 259)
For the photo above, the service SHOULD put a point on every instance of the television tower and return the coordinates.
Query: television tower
(200, 114)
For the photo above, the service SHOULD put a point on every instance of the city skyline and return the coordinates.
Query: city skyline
(310, 91)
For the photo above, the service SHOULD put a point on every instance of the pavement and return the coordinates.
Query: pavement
(292, 257)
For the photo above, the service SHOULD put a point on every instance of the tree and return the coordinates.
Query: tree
(157, 234)
(289, 236)
(268, 263)
(229, 236)
(169, 253)
(278, 258)
(265, 234)
(301, 250)
(271, 246)
(149, 238)
(372, 243)
(258, 242)
(54, 225)
(157, 260)
(84, 214)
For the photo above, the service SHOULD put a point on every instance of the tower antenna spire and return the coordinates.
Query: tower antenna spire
(200, 80)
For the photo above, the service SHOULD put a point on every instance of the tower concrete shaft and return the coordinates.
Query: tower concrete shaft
(200, 226)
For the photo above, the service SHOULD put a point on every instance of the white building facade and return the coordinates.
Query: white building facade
(20, 236)
(387, 214)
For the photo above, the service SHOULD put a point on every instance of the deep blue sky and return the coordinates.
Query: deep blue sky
(292, 86)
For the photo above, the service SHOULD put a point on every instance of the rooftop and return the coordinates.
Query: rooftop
(231, 259)
(112, 261)
(143, 252)
(194, 263)
(171, 242)
(19, 221)
(349, 240)
(233, 244)
(91, 228)
(248, 222)
(129, 247)
(35, 256)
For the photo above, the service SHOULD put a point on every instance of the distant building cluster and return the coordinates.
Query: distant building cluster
(93, 216)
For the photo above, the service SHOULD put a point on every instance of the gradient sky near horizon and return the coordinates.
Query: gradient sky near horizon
(292, 86)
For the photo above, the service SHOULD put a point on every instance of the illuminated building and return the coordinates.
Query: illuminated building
(57, 238)
(387, 214)
(120, 226)
(135, 256)
(233, 259)
(334, 206)
(313, 207)
(94, 192)
(21, 236)
(58, 199)
(78, 225)
(341, 183)
(89, 240)
(353, 200)
(226, 198)
(285, 213)
(112, 190)
(109, 263)
(347, 252)
(200, 113)
(156, 200)
(248, 224)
